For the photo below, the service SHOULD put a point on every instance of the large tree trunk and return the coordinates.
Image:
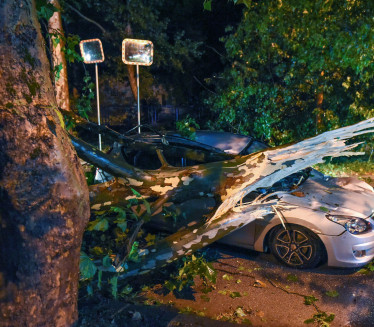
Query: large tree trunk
(58, 58)
(43, 194)
(131, 68)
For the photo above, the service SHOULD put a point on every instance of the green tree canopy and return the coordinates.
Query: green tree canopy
(295, 68)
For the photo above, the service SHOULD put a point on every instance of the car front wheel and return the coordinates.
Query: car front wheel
(296, 246)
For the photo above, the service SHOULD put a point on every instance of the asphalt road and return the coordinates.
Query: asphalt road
(252, 289)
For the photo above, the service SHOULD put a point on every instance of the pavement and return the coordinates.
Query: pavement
(252, 289)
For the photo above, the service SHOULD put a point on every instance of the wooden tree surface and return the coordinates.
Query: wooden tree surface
(58, 58)
(43, 194)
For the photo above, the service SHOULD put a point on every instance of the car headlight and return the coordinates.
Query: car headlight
(354, 225)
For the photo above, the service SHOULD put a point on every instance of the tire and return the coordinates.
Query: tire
(296, 246)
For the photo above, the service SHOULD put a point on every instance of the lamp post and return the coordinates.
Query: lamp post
(139, 53)
(92, 53)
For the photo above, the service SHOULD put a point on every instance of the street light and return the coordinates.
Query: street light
(139, 53)
(92, 53)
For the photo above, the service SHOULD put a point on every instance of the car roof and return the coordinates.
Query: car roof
(225, 141)
(217, 141)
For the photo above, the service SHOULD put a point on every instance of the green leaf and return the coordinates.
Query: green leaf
(136, 193)
(235, 295)
(126, 290)
(89, 290)
(247, 3)
(147, 206)
(98, 224)
(45, 10)
(107, 262)
(309, 300)
(122, 224)
(207, 5)
(324, 209)
(114, 283)
(121, 213)
(227, 277)
(56, 41)
(87, 267)
(170, 285)
(239, 312)
(292, 278)
(99, 277)
(57, 70)
(330, 318)
(332, 293)
(134, 253)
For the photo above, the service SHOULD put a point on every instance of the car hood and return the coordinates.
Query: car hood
(344, 195)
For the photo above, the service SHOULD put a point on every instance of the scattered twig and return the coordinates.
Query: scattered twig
(119, 311)
(291, 292)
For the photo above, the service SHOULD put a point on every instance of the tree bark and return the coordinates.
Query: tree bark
(43, 194)
(131, 69)
(58, 58)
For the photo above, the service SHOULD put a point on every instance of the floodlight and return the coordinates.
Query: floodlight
(137, 52)
(92, 51)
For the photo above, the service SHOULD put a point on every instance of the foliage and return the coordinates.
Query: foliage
(187, 127)
(321, 318)
(346, 168)
(310, 299)
(107, 232)
(45, 9)
(295, 69)
(83, 103)
(192, 266)
(332, 293)
(70, 43)
(367, 269)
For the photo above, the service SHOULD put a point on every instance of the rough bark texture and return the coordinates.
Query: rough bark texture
(131, 68)
(43, 194)
(58, 58)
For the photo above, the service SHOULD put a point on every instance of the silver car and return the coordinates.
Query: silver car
(317, 219)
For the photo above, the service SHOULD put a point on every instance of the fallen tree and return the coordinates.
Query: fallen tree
(227, 181)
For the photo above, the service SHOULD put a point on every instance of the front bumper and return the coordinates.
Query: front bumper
(348, 250)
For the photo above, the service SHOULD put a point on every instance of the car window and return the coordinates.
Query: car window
(255, 146)
(142, 159)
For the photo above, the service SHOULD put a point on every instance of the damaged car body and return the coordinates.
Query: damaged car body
(312, 218)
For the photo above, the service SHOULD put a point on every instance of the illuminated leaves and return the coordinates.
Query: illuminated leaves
(87, 267)
(310, 299)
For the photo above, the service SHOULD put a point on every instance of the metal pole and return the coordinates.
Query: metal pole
(98, 101)
(137, 86)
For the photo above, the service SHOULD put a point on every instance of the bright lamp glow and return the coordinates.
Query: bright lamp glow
(137, 52)
(92, 51)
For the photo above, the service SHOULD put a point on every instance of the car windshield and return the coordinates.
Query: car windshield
(228, 142)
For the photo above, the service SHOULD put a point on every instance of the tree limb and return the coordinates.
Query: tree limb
(86, 18)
